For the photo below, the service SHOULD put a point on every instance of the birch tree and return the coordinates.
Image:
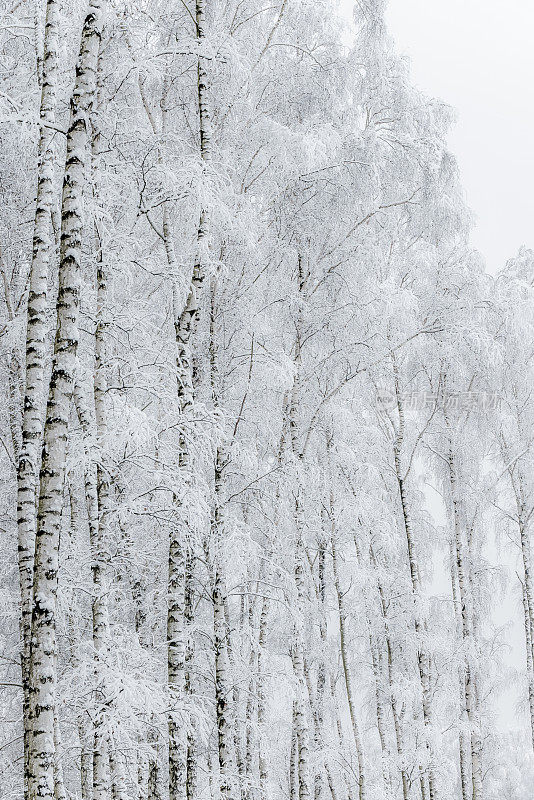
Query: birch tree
(43, 625)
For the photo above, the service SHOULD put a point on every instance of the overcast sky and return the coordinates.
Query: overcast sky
(478, 55)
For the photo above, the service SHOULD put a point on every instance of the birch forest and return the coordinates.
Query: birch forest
(266, 421)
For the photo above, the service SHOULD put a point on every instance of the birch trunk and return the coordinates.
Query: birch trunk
(263, 764)
(517, 480)
(101, 531)
(153, 787)
(75, 640)
(293, 759)
(180, 744)
(36, 350)
(340, 738)
(179, 540)
(116, 766)
(43, 626)
(397, 722)
(464, 722)
(320, 703)
(342, 615)
(249, 613)
(185, 321)
(191, 779)
(529, 659)
(376, 661)
(376, 658)
(301, 721)
(239, 730)
(300, 714)
(419, 623)
(464, 591)
(527, 595)
(59, 787)
(86, 766)
(222, 689)
(381, 723)
(176, 668)
(301, 725)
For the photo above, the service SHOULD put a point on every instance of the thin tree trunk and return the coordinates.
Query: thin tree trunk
(182, 747)
(176, 668)
(301, 725)
(529, 659)
(527, 597)
(263, 763)
(153, 788)
(419, 624)
(524, 537)
(116, 766)
(397, 723)
(342, 615)
(527, 590)
(179, 539)
(100, 533)
(293, 759)
(235, 720)
(222, 689)
(192, 748)
(297, 653)
(465, 598)
(380, 711)
(83, 723)
(464, 722)
(340, 734)
(220, 628)
(319, 707)
(376, 661)
(86, 766)
(59, 787)
(186, 321)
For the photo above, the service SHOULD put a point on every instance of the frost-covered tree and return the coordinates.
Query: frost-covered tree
(250, 544)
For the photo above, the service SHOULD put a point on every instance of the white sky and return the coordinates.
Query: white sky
(478, 56)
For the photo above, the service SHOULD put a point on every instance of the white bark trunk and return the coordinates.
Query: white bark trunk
(222, 690)
(176, 668)
(192, 737)
(293, 759)
(59, 787)
(42, 665)
(466, 605)
(263, 763)
(301, 725)
(116, 766)
(36, 351)
(527, 594)
(391, 675)
(427, 776)
(300, 708)
(101, 531)
(464, 723)
(529, 660)
(342, 615)
(185, 321)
